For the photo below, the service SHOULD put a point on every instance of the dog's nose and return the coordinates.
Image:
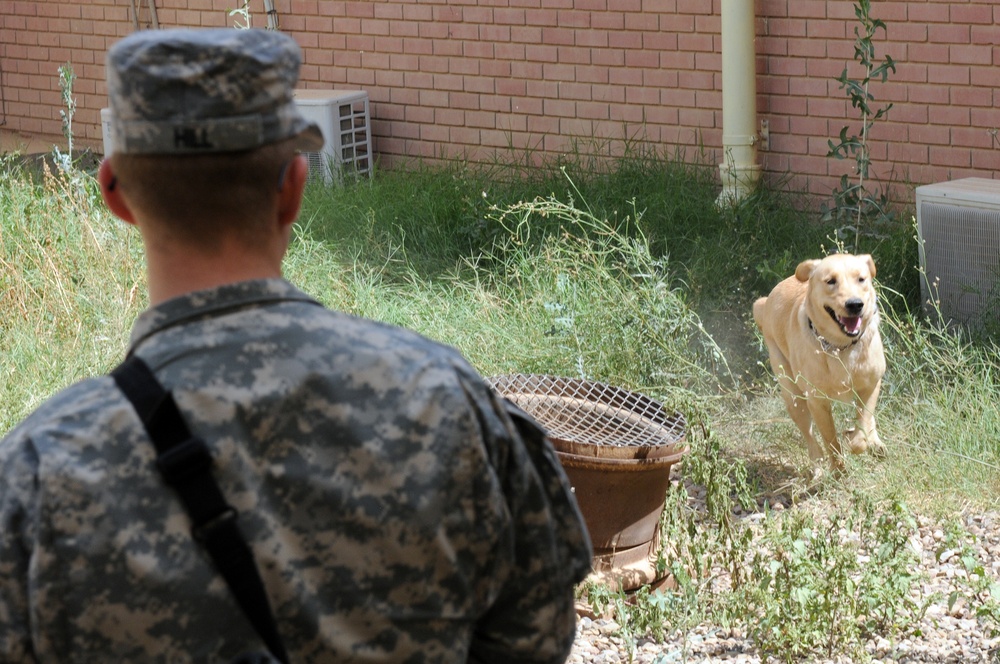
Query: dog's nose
(854, 306)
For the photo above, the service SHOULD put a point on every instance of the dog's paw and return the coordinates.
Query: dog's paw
(877, 448)
(858, 442)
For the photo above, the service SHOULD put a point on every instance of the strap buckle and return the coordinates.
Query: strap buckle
(201, 532)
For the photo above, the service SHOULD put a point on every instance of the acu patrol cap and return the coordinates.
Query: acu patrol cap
(201, 91)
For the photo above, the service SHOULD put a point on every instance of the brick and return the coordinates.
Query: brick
(929, 12)
(608, 57)
(573, 55)
(625, 40)
(807, 87)
(678, 61)
(939, 156)
(476, 49)
(480, 85)
(631, 113)
(904, 34)
(608, 94)
(608, 21)
(575, 91)
(988, 35)
(709, 62)
(508, 122)
(557, 72)
(806, 48)
(930, 53)
(495, 33)
(529, 35)
(948, 115)
(696, 80)
(930, 135)
(678, 98)
(829, 69)
(559, 108)
(642, 59)
(970, 54)
(641, 22)
(679, 23)
(494, 103)
(557, 37)
(588, 39)
(907, 152)
(971, 13)
(542, 89)
(985, 117)
(695, 42)
(480, 119)
(949, 34)
(810, 9)
(787, 67)
(527, 105)
(708, 24)
(970, 97)
(449, 116)
(921, 114)
(417, 114)
(642, 96)
(387, 45)
(658, 78)
(970, 137)
(986, 160)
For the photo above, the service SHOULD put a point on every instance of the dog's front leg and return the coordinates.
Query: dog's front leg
(865, 435)
(796, 403)
(822, 415)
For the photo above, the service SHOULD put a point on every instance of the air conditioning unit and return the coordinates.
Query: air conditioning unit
(958, 225)
(109, 146)
(342, 116)
(344, 119)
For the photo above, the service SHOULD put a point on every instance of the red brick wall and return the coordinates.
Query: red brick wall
(451, 78)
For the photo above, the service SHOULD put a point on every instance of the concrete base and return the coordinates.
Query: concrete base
(11, 141)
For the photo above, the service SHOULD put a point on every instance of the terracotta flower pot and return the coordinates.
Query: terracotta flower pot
(617, 448)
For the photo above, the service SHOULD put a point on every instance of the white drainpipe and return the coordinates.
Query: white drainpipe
(272, 15)
(739, 171)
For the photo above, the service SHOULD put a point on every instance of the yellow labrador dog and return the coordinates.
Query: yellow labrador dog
(821, 330)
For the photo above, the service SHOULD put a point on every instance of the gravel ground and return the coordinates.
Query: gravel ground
(946, 635)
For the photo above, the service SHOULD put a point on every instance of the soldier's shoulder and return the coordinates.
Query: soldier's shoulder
(83, 404)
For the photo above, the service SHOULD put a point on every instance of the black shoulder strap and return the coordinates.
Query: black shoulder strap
(185, 463)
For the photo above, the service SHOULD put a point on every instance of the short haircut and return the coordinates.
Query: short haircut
(199, 199)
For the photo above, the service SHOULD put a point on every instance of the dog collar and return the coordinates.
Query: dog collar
(827, 346)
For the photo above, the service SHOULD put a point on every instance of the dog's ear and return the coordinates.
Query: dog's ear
(805, 269)
(871, 263)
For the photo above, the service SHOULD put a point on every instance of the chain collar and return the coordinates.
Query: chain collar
(828, 346)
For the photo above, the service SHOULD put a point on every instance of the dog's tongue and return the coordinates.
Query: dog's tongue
(851, 324)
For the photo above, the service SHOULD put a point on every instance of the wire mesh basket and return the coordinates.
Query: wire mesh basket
(593, 419)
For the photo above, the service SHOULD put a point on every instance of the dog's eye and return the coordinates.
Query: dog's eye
(832, 281)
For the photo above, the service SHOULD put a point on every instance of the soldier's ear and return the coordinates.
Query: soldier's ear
(111, 192)
(291, 185)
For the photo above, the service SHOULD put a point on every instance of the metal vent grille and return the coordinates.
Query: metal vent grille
(344, 118)
(959, 227)
(589, 413)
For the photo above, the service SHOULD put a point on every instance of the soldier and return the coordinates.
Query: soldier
(397, 509)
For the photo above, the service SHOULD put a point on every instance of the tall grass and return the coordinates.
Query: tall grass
(71, 282)
(622, 271)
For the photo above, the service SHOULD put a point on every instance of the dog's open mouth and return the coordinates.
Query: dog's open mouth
(849, 325)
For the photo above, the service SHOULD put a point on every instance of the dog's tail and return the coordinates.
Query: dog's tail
(758, 309)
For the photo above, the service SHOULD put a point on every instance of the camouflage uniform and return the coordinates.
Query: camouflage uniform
(394, 512)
